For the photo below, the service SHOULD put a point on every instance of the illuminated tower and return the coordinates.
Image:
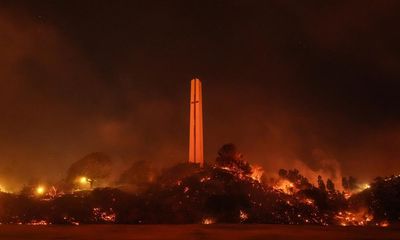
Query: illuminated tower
(196, 124)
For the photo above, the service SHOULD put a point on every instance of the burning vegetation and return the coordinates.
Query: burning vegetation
(230, 190)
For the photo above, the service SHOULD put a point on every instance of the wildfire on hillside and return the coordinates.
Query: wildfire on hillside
(228, 191)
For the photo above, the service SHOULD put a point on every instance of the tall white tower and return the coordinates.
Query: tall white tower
(196, 124)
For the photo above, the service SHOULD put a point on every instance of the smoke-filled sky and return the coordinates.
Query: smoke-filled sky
(291, 83)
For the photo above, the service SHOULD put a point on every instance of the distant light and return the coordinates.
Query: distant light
(366, 186)
(40, 190)
(83, 180)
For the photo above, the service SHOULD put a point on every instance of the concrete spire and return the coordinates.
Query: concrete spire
(196, 124)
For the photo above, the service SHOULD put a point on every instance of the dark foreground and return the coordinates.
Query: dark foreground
(186, 232)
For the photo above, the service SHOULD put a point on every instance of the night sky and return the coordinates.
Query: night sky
(308, 84)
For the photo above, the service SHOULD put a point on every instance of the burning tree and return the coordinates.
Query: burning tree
(382, 199)
(230, 158)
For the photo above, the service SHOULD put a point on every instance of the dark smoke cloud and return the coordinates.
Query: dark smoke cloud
(292, 84)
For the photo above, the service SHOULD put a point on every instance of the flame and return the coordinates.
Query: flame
(366, 186)
(83, 180)
(257, 173)
(53, 193)
(208, 221)
(285, 186)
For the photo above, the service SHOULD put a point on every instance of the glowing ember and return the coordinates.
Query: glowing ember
(38, 223)
(204, 179)
(308, 201)
(106, 216)
(243, 216)
(347, 218)
(186, 189)
(384, 224)
(71, 220)
(347, 195)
